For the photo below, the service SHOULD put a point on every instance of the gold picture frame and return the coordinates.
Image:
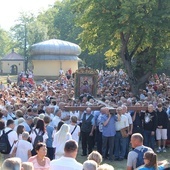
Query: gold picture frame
(86, 80)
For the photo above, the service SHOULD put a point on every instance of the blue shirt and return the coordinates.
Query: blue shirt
(109, 130)
(49, 140)
(96, 115)
(151, 168)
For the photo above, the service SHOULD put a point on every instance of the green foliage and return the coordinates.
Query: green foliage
(5, 42)
(61, 23)
(135, 31)
(28, 31)
(47, 18)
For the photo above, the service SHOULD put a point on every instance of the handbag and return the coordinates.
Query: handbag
(124, 133)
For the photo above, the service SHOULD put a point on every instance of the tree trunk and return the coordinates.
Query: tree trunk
(134, 83)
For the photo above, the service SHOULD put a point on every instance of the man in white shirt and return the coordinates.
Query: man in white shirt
(12, 136)
(22, 148)
(130, 128)
(65, 115)
(120, 140)
(68, 161)
(56, 119)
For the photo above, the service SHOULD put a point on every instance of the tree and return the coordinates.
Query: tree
(27, 32)
(135, 31)
(60, 20)
(6, 42)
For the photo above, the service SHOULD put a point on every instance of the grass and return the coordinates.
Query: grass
(3, 78)
(121, 165)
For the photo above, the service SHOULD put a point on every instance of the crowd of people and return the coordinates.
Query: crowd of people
(44, 133)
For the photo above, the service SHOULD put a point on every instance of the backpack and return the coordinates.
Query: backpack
(140, 153)
(38, 138)
(5, 146)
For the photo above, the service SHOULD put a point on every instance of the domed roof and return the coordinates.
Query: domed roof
(55, 47)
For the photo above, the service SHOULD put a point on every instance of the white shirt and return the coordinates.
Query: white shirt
(122, 123)
(129, 118)
(55, 121)
(64, 114)
(33, 136)
(65, 163)
(75, 113)
(23, 147)
(75, 135)
(12, 136)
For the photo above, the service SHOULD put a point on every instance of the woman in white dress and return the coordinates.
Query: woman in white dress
(60, 139)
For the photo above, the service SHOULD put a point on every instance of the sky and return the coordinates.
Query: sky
(10, 10)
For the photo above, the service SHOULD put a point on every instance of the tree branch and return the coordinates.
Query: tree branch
(144, 78)
(136, 47)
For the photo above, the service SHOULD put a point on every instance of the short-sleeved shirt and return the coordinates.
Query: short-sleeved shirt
(122, 123)
(132, 156)
(65, 163)
(75, 134)
(12, 136)
(151, 168)
(55, 121)
(33, 159)
(109, 129)
(129, 118)
(23, 147)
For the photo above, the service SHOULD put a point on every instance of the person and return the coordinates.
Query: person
(137, 143)
(60, 139)
(12, 136)
(27, 166)
(150, 162)
(130, 127)
(105, 167)
(39, 130)
(99, 128)
(59, 125)
(27, 123)
(121, 135)
(161, 130)
(40, 161)
(22, 148)
(89, 165)
(149, 126)
(68, 161)
(87, 129)
(137, 121)
(95, 156)
(49, 141)
(20, 130)
(108, 121)
(56, 119)
(74, 129)
(12, 164)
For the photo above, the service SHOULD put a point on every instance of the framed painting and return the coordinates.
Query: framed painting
(85, 82)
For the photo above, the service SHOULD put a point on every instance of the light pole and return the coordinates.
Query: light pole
(25, 47)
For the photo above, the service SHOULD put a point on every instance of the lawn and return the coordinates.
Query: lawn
(121, 165)
(4, 78)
